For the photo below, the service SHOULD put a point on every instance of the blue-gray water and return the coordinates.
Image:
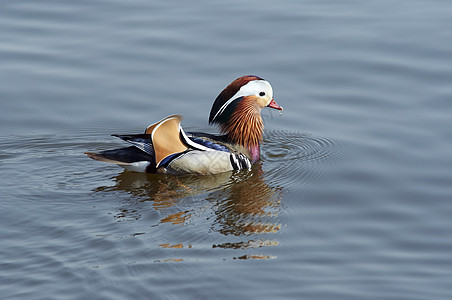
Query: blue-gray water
(352, 198)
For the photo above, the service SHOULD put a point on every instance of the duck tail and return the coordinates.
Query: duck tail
(123, 156)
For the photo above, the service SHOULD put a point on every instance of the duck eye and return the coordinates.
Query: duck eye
(262, 94)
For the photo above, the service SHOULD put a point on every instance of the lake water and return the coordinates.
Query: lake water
(352, 198)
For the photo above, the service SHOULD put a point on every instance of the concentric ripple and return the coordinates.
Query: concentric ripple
(290, 156)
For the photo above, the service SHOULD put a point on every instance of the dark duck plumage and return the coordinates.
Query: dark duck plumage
(166, 148)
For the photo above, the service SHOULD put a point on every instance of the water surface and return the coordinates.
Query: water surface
(351, 199)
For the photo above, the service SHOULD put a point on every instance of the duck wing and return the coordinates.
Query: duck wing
(161, 140)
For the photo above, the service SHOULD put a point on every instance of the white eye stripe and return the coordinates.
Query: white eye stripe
(254, 87)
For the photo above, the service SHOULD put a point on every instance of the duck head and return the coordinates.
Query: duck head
(237, 110)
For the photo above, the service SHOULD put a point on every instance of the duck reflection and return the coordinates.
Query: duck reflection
(249, 205)
(240, 204)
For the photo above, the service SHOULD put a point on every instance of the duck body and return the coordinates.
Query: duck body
(166, 148)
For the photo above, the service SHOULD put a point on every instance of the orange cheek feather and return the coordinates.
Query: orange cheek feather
(245, 127)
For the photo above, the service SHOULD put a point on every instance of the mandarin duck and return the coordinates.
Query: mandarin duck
(166, 148)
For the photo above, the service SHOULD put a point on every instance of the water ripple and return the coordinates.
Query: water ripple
(289, 156)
